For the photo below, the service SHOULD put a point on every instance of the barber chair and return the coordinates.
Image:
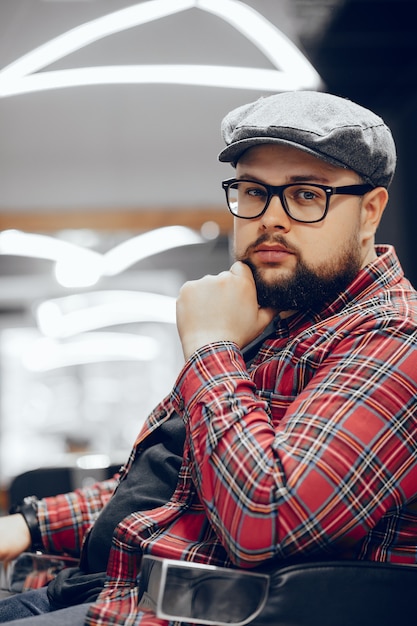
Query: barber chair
(50, 481)
(334, 593)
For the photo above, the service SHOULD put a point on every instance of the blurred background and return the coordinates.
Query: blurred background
(110, 193)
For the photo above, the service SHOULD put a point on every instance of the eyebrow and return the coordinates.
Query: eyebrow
(296, 178)
(313, 178)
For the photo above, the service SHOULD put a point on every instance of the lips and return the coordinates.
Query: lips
(271, 254)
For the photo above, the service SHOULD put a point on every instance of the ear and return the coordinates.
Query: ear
(373, 205)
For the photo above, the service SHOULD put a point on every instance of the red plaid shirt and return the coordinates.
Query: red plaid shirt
(313, 451)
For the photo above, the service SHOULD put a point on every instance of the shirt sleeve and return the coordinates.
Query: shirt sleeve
(65, 519)
(315, 482)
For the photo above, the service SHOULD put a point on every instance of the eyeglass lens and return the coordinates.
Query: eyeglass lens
(304, 202)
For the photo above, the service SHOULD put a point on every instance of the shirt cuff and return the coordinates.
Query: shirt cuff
(212, 367)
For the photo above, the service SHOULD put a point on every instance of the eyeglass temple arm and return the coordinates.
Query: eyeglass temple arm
(354, 190)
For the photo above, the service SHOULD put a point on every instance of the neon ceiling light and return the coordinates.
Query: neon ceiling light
(76, 266)
(293, 71)
(47, 353)
(71, 315)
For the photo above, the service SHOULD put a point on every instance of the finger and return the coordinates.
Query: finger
(241, 269)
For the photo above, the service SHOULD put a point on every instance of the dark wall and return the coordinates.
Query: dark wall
(369, 54)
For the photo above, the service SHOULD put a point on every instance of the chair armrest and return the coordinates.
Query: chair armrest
(203, 594)
(342, 593)
(31, 570)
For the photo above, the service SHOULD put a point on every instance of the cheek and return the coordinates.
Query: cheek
(313, 242)
(329, 244)
(244, 234)
(319, 243)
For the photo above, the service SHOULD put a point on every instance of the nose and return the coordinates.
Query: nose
(275, 216)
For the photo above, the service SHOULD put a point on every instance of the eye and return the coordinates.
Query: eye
(307, 194)
(304, 194)
(256, 192)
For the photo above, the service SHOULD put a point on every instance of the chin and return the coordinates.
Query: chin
(274, 274)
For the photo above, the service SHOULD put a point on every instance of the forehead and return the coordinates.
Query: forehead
(288, 161)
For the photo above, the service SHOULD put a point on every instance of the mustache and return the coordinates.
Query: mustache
(266, 238)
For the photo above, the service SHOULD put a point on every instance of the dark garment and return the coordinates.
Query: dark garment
(21, 605)
(149, 483)
(34, 607)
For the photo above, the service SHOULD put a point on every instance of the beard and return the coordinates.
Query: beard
(307, 288)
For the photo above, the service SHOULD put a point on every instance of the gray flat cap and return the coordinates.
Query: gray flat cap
(329, 127)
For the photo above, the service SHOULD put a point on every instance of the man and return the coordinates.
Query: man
(291, 430)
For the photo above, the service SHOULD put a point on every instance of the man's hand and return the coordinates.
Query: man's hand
(14, 537)
(222, 307)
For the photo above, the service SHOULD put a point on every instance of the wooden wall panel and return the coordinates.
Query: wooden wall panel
(135, 220)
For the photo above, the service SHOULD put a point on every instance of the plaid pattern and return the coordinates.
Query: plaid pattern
(311, 453)
(64, 520)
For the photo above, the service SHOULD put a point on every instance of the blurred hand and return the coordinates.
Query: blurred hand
(222, 307)
(14, 537)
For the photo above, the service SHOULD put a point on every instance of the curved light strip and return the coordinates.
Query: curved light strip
(87, 33)
(72, 315)
(278, 48)
(45, 353)
(200, 75)
(296, 73)
(19, 243)
(144, 245)
(80, 267)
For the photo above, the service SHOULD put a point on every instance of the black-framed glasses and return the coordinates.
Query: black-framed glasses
(303, 202)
